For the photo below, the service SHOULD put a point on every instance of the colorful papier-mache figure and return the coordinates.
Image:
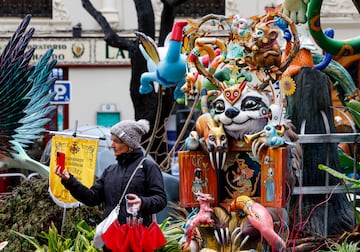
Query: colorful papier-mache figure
(241, 140)
(233, 77)
(243, 152)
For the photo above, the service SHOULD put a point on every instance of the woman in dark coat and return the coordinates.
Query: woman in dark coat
(146, 188)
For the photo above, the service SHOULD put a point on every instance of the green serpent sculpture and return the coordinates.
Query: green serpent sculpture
(347, 89)
(337, 48)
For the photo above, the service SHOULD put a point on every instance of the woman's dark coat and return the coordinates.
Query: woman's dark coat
(147, 184)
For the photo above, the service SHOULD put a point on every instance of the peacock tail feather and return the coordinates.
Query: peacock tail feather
(24, 91)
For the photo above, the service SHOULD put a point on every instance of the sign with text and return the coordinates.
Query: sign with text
(76, 51)
(80, 161)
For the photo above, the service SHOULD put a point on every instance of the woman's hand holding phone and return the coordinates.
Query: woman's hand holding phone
(60, 169)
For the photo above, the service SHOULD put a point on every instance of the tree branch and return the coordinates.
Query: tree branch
(167, 22)
(110, 35)
(167, 18)
(145, 17)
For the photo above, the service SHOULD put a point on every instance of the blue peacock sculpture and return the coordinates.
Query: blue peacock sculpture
(24, 99)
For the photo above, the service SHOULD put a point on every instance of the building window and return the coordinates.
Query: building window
(37, 8)
(199, 8)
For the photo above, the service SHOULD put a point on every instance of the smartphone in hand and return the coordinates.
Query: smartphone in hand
(60, 160)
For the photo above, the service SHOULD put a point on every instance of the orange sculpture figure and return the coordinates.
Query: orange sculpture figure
(212, 134)
(265, 49)
(302, 58)
(260, 219)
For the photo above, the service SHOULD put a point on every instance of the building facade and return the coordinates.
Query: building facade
(95, 77)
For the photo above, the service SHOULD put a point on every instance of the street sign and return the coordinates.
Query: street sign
(62, 89)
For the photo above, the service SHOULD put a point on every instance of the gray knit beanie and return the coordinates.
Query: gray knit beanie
(130, 131)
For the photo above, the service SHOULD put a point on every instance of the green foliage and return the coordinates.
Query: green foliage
(344, 247)
(85, 235)
(173, 232)
(354, 108)
(56, 242)
(355, 183)
(29, 210)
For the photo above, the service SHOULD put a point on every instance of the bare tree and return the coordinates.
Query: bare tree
(145, 106)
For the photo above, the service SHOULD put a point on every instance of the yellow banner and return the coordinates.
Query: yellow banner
(80, 161)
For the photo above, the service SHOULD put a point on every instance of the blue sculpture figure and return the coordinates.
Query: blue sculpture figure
(270, 186)
(192, 141)
(169, 71)
(273, 139)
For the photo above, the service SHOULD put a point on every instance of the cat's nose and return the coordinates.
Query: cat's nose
(232, 112)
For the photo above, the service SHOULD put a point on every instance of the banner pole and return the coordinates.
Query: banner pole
(76, 135)
(63, 220)
(76, 127)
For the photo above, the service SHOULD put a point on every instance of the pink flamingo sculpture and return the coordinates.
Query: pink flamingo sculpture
(260, 219)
